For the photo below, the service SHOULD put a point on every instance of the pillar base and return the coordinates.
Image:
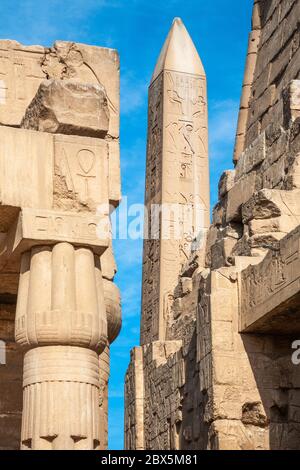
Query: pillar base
(61, 399)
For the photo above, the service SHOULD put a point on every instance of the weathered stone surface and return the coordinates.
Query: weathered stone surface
(238, 195)
(271, 203)
(23, 68)
(26, 178)
(160, 417)
(226, 182)
(221, 252)
(134, 404)
(253, 156)
(68, 107)
(80, 181)
(291, 102)
(283, 224)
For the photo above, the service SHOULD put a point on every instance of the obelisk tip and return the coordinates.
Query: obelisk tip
(179, 53)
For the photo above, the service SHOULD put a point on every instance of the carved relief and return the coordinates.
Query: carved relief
(20, 73)
(273, 281)
(150, 289)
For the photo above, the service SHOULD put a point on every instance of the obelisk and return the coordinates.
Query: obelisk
(177, 176)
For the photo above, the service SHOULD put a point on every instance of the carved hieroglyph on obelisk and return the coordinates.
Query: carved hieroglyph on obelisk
(177, 175)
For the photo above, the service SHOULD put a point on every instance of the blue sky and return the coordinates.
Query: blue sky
(138, 28)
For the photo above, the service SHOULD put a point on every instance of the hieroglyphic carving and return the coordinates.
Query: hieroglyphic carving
(79, 166)
(185, 167)
(22, 68)
(33, 227)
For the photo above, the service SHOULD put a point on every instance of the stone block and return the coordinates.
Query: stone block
(274, 175)
(281, 61)
(253, 131)
(26, 168)
(226, 182)
(21, 74)
(68, 107)
(262, 104)
(267, 241)
(284, 223)
(270, 290)
(277, 146)
(292, 70)
(261, 83)
(238, 195)
(24, 67)
(251, 157)
(291, 102)
(267, 204)
(221, 252)
(271, 20)
(242, 247)
(219, 213)
(39, 170)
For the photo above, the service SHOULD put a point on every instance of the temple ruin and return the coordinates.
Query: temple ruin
(219, 319)
(220, 300)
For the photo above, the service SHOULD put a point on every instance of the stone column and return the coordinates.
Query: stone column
(61, 319)
(177, 175)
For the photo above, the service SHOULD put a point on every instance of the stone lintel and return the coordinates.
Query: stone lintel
(46, 227)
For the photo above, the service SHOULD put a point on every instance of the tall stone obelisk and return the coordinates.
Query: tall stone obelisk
(177, 175)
